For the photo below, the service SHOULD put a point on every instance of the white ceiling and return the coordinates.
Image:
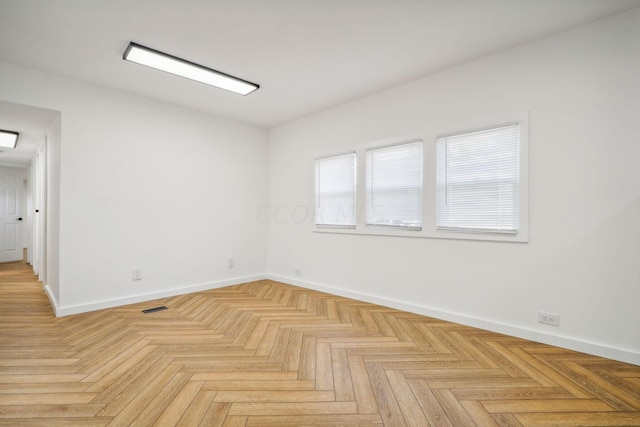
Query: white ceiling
(307, 55)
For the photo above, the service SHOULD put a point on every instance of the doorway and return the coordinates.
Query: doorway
(24, 184)
(12, 213)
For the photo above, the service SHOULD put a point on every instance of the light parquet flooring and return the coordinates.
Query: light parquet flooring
(270, 354)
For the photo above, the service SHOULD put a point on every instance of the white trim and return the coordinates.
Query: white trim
(392, 144)
(475, 130)
(596, 349)
(335, 155)
(133, 299)
(52, 299)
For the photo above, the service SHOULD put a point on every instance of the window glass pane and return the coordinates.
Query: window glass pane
(394, 186)
(478, 178)
(336, 191)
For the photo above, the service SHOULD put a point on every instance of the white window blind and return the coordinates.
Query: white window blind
(394, 186)
(478, 178)
(336, 191)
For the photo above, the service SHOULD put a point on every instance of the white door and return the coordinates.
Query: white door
(11, 184)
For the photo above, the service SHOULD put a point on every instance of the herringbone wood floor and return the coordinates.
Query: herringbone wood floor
(270, 354)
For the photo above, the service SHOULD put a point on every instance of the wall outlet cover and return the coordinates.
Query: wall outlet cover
(552, 319)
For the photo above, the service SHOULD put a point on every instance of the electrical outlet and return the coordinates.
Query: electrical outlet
(232, 263)
(136, 274)
(297, 272)
(549, 318)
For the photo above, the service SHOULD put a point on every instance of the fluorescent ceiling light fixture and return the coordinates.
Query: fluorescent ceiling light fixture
(180, 67)
(8, 138)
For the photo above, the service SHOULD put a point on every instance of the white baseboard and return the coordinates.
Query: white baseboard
(595, 349)
(52, 299)
(117, 302)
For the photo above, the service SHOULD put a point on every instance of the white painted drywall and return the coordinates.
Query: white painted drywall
(145, 184)
(582, 94)
(51, 256)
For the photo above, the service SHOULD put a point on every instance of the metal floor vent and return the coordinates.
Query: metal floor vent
(154, 309)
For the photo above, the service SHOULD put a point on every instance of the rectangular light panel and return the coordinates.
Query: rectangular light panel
(180, 67)
(8, 138)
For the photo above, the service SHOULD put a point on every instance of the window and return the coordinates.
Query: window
(478, 180)
(336, 191)
(394, 186)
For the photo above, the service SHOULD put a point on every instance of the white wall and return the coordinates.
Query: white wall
(51, 255)
(144, 184)
(581, 91)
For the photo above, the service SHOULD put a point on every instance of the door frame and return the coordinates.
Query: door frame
(36, 248)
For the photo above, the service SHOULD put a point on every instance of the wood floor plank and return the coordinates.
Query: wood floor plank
(507, 420)
(197, 409)
(38, 362)
(409, 406)
(259, 385)
(50, 411)
(215, 415)
(280, 346)
(343, 385)
(235, 421)
(150, 410)
(174, 411)
(246, 376)
(56, 422)
(46, 398)
(546, 405)
(128, 406)
(519, 393)
(435, 413)
(617, 419)
(481, 382)
(119, 365)
(139, 375)
(70, 387)
(324, 367)
(537, 360)
(478, 413)
(40, 378)
(385, 397)
(627, 394)
(307, 369)
(365, 398)
(513, 356)
(298, 408)
(268, 340)
(291, 361)
(454, 410)
(279, 396)
(315, 421)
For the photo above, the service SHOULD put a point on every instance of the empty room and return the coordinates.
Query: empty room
(320, 213)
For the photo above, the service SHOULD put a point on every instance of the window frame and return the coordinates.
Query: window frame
(317, 194)
(444, 215)
(369, 190)
(429, 195)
